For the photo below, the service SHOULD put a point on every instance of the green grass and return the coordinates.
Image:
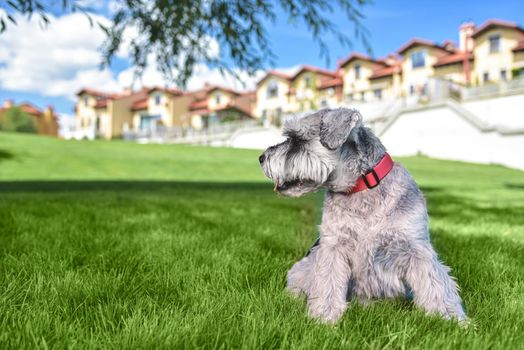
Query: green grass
(118, 245)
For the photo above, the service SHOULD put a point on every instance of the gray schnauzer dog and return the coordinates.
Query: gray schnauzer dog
(374, 241)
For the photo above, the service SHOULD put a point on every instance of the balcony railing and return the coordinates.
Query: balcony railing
(502, 88)
(176, 134)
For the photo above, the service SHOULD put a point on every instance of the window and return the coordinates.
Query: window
(486, 77)
(378, 94)
(411, 90)
(272, 89)
(494, 43)
(86, 101)
(157, 100)
(217, 99)
(418, 59)
(425, 89)
(503, 75)
(331, 92)
(357, 71)
(308, 81)
(323, 103)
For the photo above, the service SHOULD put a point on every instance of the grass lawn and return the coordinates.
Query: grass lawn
(119, 245)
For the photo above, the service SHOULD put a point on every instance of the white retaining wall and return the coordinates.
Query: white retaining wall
(444, 133)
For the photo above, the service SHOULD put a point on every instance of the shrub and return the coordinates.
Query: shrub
(16, 120)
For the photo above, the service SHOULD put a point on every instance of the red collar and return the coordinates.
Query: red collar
(372, 178)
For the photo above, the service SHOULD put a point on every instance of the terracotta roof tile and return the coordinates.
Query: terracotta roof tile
(198, 104)
(386, 71)
(420, 42)
(275, 74)
(519, 47)
(139, 104)
(307, 68)
(330, 83)
(454, 58)
(360, 56)
(494, 23)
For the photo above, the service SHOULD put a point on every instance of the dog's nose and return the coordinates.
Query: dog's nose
(262, 158)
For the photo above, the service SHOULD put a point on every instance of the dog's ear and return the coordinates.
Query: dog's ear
(336, 126)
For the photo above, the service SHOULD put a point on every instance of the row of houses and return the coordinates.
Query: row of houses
(45, 121)
(487, 54)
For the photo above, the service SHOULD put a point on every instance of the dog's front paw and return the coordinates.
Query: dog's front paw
(457, 315)
(327, 314)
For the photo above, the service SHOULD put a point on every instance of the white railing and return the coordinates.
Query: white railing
(494, 89)
(214, 132)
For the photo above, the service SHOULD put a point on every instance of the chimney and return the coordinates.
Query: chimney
(8, 104)
(466, 45)
(465, 40)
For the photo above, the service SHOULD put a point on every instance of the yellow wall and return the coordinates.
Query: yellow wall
(270, 105)
(179, 107)
(452, 72)
(419, 76)
(329, 96)
(161, 109)
(120, 112)
(518, 59)
(389, 85)
(494, 63)
(304, 98)
(358, 88)
(85, 112)
(225, 99)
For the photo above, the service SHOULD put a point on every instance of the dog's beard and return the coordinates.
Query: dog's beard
(295, 188)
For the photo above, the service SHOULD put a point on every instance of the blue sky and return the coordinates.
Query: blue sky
(390, 23)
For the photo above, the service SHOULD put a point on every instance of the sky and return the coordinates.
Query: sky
(48, 66)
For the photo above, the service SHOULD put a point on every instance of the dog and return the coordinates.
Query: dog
(374, 239)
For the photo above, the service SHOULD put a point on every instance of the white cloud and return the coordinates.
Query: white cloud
(65, 57)
(54, 61)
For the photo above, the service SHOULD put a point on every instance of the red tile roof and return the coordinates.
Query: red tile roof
(172, 91)
(496, 23)
(139, 105)
(96, 93)
(307, 68)
(386, 71)
(198, 104)
(454, 58)
(30, 109)
(357, 56)
(102, 103)
(420, 42)
(519, 47)
(275, 74)
(330, 83)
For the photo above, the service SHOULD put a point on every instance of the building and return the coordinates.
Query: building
(213, 105)
(497, 51)
(105, 115)
(307, 89)
(415, 73)
(45, 121)
(272, 97)
(108, 116)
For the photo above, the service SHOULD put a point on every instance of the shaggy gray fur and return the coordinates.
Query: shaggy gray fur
(374, 243)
